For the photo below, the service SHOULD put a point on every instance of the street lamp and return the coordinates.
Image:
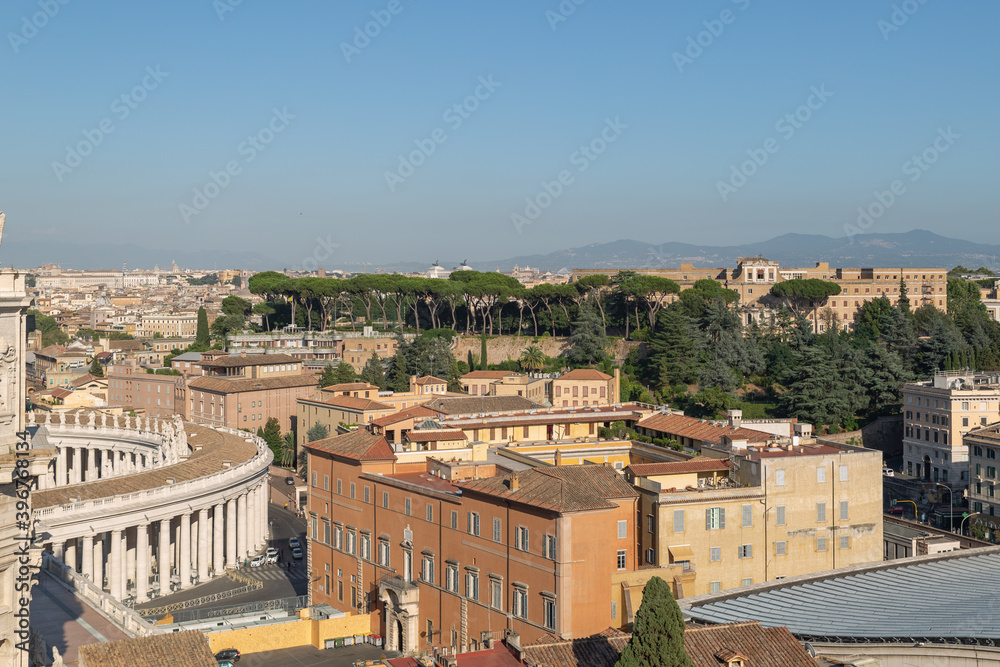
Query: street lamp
(951, 504)
(916, 516)
(270, 532)
(961, 526)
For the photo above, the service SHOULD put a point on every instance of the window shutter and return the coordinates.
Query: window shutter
(708, 519)
(722, 518)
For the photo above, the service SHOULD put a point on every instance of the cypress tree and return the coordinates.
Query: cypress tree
(658, 631)
(202, 336)
(482, 350)
(904, 299)
(472, 363)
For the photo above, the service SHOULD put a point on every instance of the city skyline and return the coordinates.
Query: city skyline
(738, 121)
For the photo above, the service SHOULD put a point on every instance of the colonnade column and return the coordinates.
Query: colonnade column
(71, 554)
(185, 565)
(232, 558)
(61, 478)
(77, 476)
(241, 527)
(142, 562)
(218, 528)
(204, 550)
(163, 554)
(99, 560)
(265, 510)
(251, 522)
(91, 465)
(114, 571)
(87, 558)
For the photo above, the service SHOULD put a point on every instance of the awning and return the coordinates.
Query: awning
(683, 552)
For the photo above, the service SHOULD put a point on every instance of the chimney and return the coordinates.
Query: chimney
(515, 482)
(558, 460)
(735, 418)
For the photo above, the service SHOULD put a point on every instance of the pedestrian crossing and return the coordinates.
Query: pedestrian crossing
(276, 573)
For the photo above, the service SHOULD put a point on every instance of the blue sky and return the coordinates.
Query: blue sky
(681, 126)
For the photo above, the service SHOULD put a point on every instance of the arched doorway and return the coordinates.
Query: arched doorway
(399, 636)
(927, 468)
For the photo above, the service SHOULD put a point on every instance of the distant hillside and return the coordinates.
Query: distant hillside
(31, 254)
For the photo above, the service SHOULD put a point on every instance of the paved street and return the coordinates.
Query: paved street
(66, 621)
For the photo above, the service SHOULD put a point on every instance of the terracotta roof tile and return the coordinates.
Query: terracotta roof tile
(584, 374)
(487, 375)
(351, 403)
(467, 405)
(359, 445)
(237, 385)
(429, 379)
(698, 429)
(416, 412)
(249, 360)
(562, 489)
(177, 649)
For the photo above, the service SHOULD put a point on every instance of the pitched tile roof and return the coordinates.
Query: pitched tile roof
(706, 646)
(237, 385)
(698, 429)
(699, 464)
(350, 386)
(436, 435)
(177, 649)
(359, 445)
(86, 379)
(584, 374)
(429, 379)
(465, 405)
(563, 489)
(249, 360)
(487, 375)
(126, 345)
(416, 412)
(352, 403)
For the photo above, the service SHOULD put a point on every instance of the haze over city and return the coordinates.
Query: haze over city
(262, 128)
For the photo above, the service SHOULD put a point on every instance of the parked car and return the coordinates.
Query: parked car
(294, 543)
(258, 561)
(229, 654)
(290, 481)
(888, 472)
(271, 556)
(897, 510)
(297, 553)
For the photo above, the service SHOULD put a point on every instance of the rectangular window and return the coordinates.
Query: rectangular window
(550, 613)
(843, 510)
(521, 538)
(614, 610)
(748, 516)
(843, 473)
(385, 499)
(715, 554)
(715, 586)
(746, 551)
(472, 585)
(366, 547)
(779, 477)
(820, 544)
(747, 581)
(622, 559)
(520, 607)
(473, 527)
(678, 521)
(407, 505)
(820, 512)
(315, 478)
(650, 556)
(497, 531)
(454, 520)
(549, 546)
(383, 553)
(429, 513)
(622, 530)
(780, 548)
(368, 495)
(779, 515)
(820, 475)
(352, 490)
(651, 523)
(496, 594)
(451, 578)
(845, 541)
(715, 518)
(340, 487)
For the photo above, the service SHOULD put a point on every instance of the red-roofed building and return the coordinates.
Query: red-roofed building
(694, 433)
(438, 563)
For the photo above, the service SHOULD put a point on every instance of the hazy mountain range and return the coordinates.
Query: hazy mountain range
(917, 248)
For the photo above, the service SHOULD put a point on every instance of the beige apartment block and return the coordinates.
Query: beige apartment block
(783, 511)
(754, 277)
(577, 388)
(169, 325)
(984, 446)
(937, 414)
